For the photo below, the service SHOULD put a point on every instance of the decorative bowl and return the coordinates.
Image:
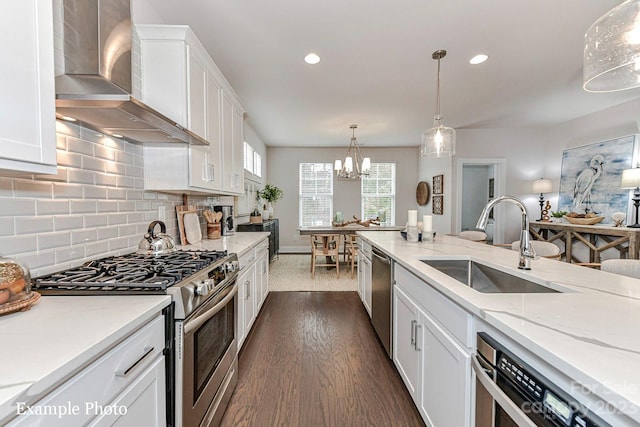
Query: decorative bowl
(584, 221)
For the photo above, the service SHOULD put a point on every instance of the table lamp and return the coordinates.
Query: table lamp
(541, 186)
(631, 179)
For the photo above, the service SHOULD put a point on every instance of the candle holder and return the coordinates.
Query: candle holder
(412, 233)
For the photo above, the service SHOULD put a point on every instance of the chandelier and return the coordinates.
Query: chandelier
(354, 165)
(439, 141)
(612, 50)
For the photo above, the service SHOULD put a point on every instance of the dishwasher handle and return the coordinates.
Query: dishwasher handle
(380, 255)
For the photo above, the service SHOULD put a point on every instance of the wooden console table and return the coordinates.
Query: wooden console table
(624, 239)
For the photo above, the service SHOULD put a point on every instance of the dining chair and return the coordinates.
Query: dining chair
(350, 253)
(541, 248)
(624, 267)
(327, 246)
(474, 236)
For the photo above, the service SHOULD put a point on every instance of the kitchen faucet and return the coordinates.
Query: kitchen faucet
(526, 250)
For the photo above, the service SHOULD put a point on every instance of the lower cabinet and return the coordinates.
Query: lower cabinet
(126, 386)
(434, 368)
(364, 280)
(253, 288)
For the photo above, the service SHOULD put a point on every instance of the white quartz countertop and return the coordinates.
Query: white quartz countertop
(239, 242)
(590, 332)
(43, 347)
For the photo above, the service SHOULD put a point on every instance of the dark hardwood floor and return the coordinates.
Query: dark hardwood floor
(313, 359)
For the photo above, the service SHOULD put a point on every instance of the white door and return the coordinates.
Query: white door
(406, 354)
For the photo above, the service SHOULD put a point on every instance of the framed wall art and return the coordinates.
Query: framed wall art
(590, 177)
(438, 184)
(438, 204)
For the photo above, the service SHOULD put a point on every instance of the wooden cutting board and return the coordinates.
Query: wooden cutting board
(192, 229)
(181, 211)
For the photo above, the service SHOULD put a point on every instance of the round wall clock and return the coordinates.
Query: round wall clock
(422, 193)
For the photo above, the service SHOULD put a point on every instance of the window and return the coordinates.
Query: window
(379, 193)
(252, 160)
(248, 157)
(316, 194)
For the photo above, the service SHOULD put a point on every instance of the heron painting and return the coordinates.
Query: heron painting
(590, 177)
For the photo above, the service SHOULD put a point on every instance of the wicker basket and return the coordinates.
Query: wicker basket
(584, 221)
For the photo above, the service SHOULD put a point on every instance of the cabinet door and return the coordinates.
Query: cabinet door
(445, 383)
(142, 403)
(246, 293)
(361, 262)
(264, 274)
(227, 142)
(406, 354)
(197, 82)
(238, 150)
(27, 121)
(366, 286)
(214, 92)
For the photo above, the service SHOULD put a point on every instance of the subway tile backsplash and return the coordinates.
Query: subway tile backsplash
(94, 206)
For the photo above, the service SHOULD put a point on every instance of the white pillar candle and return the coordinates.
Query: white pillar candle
(412, 218)
(427, 223)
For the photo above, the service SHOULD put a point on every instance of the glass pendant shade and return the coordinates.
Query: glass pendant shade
(612, 50)
(439, 141)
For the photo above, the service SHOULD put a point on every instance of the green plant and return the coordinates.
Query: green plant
(558, 214)
(271, 193)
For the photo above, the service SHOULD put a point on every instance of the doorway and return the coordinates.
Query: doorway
(478, 181)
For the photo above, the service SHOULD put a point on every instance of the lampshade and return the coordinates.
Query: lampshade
(541, 186)
(439, 141)
(354, 165)
(612, 50)
(630, 178)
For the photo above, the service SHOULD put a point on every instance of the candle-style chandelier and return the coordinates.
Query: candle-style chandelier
(354, 165)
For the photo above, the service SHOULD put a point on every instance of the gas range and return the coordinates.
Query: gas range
(190, 277)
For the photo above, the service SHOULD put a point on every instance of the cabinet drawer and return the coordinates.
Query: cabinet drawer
(452, 317)
(247, 259)
(262, 248)
(365, 247)
(102, 381)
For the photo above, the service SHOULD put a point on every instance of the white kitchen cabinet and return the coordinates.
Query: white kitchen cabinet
(232, 145)
(435, 368)
(246, 294)
(180, 80)
(131, 372)
(262, 275)
(144, 400)
(364, 274)
(27, 118)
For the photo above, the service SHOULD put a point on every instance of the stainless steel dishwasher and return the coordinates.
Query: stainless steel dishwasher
(382, 274)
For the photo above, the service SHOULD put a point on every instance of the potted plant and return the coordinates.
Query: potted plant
(271, 194)
(557, 216)
(256, 216)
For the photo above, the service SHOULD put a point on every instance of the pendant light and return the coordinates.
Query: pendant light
(439, 141)
(612, 50)
(354, 165)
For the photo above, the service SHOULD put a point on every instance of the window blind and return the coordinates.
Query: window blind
(378, 191)
(315, 194)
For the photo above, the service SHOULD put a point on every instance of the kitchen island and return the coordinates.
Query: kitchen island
(583, 338)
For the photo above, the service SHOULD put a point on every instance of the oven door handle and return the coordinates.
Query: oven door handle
(195, 323)
(499, 396)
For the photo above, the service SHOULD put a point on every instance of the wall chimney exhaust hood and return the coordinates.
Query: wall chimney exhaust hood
(95, 88)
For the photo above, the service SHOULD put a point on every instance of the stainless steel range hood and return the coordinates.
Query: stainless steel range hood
(96, 85)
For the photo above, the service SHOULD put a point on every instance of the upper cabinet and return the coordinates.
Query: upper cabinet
(180, 80)
(27, 121)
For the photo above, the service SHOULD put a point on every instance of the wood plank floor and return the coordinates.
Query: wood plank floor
(313, 359)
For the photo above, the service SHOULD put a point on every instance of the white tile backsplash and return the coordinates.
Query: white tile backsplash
(94, 206)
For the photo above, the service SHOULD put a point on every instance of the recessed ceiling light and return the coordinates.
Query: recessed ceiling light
(69, 119)
(478, 59)
(117, 135)
(312, 59)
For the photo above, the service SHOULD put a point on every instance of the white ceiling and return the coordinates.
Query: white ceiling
(376, 68)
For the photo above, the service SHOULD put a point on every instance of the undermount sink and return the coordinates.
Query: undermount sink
(486, 279)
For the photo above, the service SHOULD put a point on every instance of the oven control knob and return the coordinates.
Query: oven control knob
(205, 287)
(232, 266)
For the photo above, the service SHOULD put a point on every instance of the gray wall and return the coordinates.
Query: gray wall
(283, 164)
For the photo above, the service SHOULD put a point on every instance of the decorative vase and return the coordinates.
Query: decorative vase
(265, 213)
(270, 209)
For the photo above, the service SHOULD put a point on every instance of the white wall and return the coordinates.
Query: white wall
(283, 168)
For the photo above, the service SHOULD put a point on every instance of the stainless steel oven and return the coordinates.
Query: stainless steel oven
(509, 393)
(206, 360)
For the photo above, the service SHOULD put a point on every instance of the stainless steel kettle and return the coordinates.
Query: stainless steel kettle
(156, 244)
